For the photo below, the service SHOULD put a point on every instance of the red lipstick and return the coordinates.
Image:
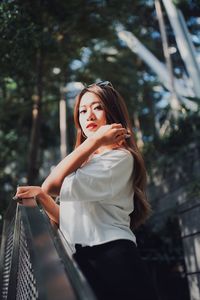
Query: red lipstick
(91, 125)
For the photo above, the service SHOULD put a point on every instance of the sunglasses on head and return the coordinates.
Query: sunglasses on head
(102, 84)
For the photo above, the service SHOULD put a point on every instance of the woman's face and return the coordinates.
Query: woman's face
(91, 113)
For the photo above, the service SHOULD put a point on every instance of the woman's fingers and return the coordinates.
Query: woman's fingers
(120, 131)
(109, 134)
(24, 195)
(116, 125)
(122, 136)
(21, 190)
(27, 191)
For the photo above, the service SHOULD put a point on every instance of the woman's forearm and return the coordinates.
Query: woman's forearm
(50, 206)
(105, 135)
(69, 164)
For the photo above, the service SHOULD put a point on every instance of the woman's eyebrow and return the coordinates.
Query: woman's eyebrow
(94, 102)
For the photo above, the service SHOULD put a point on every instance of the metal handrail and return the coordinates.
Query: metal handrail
(35, 259)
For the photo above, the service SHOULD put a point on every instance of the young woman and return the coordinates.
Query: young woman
(102, 196)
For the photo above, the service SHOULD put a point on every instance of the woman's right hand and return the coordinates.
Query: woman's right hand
(110, 134)
(25, 192)
(48, 203)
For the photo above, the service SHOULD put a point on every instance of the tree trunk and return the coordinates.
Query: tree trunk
(33, 167)
(136, 120)
(4, 91)
(173, 100)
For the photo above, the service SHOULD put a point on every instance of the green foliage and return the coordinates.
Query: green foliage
(185, 132)
(60, 31)
(164, 152)
(193, 189)
(166, 242)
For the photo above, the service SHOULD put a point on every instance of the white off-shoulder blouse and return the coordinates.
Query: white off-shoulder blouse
(97, 199)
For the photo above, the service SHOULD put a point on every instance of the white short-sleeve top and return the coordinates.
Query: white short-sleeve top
(97, 199)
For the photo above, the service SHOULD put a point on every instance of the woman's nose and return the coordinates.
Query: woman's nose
(91, 115)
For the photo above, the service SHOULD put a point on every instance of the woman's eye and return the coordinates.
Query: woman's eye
(98, 107)
(83, 111)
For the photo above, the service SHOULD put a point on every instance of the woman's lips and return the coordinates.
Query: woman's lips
(91, 126)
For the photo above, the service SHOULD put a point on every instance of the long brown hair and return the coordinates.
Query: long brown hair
(116, 112)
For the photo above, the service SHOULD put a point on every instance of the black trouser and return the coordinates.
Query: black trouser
(115, 271)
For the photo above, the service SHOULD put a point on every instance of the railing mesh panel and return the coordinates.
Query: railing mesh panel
(26, 282)
(7, 260)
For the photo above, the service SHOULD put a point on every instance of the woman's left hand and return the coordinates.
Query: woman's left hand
(28, 191)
